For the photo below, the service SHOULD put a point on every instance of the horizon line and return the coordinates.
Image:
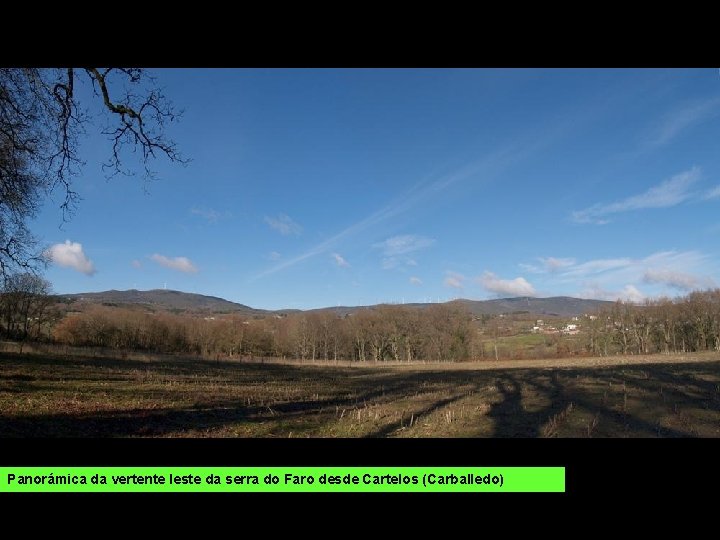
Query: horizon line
(389, 302)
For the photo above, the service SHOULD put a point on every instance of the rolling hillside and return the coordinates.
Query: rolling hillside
(162, 299)
(177, 301)
(563, 306)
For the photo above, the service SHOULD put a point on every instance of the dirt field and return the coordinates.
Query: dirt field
(652, 396)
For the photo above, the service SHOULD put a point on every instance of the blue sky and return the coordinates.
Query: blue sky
(319, 187)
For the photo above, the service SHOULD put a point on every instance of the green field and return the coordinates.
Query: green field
(45, 396)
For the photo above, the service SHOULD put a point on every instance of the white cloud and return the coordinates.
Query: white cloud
(212, 216)
(454, 280)
(683, 118)
(396, 249)
(283, 224)
(274, 256)
(340, 260)
(678, 280)
(596, 266)
(552, 264)
(415, 280)
(514, 287)
(532, 268)
(549, 264)
(627, 270)
(714, 193)
(406, 243)
(674, 259)
(629, 293)
(71, 255)
(680, 270)
(183, 264)
(609, 278)
(136, 263)
(669, 193)
(388, 263)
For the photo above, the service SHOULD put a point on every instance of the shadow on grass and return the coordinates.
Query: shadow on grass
(661, 387)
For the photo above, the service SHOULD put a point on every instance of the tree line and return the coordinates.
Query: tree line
(438, 332)
(27, 309)
(687, 324)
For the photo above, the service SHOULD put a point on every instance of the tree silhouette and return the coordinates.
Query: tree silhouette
(42, 118)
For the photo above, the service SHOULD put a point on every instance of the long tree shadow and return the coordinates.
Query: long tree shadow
(617, 422)
(345, 388)
(512, 419)
(392, 427)
(677, 384)
(207, 416)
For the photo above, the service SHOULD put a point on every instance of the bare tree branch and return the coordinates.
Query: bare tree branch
(141, 119)
(41, 122)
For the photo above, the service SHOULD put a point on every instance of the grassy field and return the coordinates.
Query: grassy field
(660, 396)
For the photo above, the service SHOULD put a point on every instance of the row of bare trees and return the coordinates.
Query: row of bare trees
(687, 324)
(26, 307)
(403, 334)
(384, 333)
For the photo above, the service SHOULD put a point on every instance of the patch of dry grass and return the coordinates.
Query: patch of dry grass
(42, 395)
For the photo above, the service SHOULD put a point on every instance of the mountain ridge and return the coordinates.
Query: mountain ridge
(172, 300)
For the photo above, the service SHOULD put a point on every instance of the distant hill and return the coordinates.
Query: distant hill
(168, 300)
(177, 301)
(562, 306)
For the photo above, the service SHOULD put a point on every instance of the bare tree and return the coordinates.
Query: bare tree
(24, 299)
(41, 122)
